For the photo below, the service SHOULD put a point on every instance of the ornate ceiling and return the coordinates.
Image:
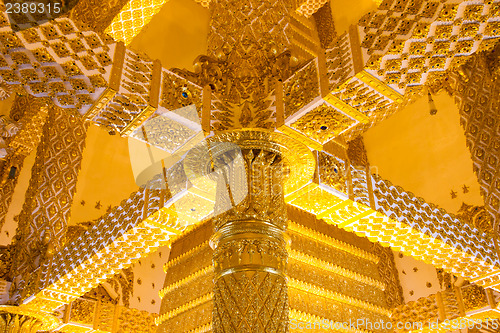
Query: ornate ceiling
(324, 75)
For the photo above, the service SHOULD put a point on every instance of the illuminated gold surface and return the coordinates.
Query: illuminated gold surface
(369, 72)
(454, 308)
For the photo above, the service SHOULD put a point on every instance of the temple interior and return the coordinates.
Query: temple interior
(250, 166)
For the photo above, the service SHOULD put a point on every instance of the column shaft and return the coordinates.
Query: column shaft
(250, 254)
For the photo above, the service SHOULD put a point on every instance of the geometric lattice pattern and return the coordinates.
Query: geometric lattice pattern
(381, 63)
(476, 93)
(50, 192)
(257, 302)
(468, 305)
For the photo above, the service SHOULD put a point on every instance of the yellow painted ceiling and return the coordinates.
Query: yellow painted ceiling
(425, 154)
(105, 178)
(176, 35)
(422, 153)
(347, 12)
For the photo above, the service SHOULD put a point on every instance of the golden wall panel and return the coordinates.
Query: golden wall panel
(185, 305)
(455, 308)
(312, 290)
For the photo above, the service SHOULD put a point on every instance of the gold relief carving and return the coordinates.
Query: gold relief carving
(197, 321)
(309, 7)
(262, 298)
(317, 236)
(325, 25)
(452, 306)
(123, 284)
(132, 320)
(136, 227)
(327, 253)
(30, 118)
(424, 310)
(473, 87)
(262, 252)
(185, 256)
(301, 89)
(195, 283)
(82, 311)
(386, 109)
(97, 14)
(473, 297)
(450, 303)
(53, 183)
(316, 200)
(132, 96)
(178, 92)
(323, 123)
(409, 36)
(297, 158)
(294, 134)
(478, 217)
(52, 62)
(331, 268)
(85, 315)
(339, 61)
(186, 307)
(438, 226)
(249, 244)
(128, 18)
(106, 317)
(332, 171)
(334, 296)
(188, 281)
(389, 275)
(164, 133)
(356, 152)
(30, 132)
(20, 319)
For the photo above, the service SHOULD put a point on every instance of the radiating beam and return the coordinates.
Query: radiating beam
(381, 64)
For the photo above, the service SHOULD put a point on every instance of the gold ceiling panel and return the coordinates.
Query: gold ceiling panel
(402, 52)
(132, 18)
(381, 211)
(323, 123)
(309, 7)
(136, 14)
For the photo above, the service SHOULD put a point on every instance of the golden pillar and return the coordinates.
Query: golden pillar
(248, 169)
(250, 292)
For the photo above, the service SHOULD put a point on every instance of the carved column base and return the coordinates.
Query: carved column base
(250, 292)
(251, 301)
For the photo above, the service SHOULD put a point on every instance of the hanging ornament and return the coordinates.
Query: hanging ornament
(432, 106)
